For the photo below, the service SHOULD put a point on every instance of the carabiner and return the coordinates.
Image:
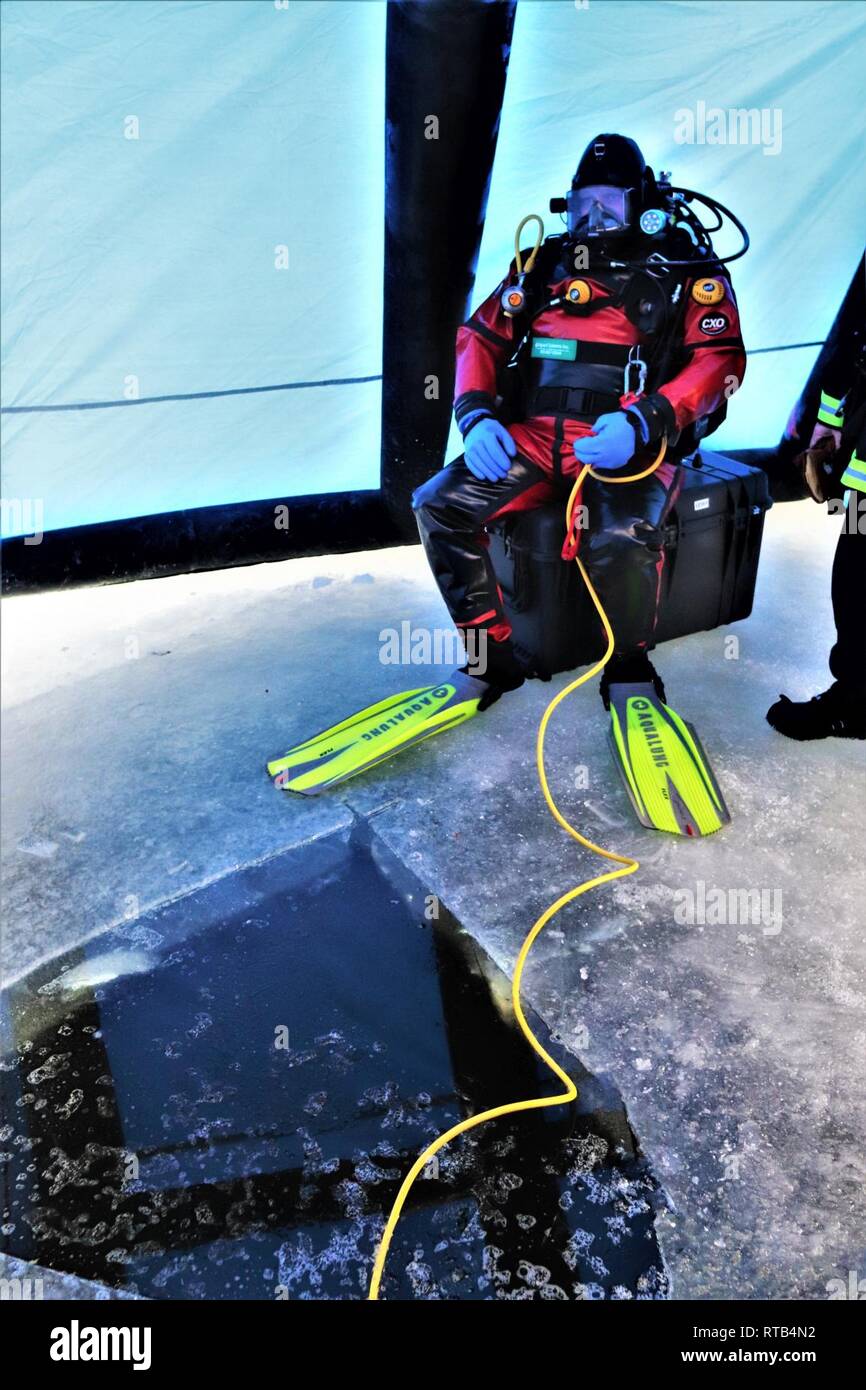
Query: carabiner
(634, 361)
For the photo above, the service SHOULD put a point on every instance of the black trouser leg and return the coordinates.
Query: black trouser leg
(452, 509)
(848, 657)
(622, 549)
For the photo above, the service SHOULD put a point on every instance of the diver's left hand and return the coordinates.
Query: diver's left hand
(611, 444)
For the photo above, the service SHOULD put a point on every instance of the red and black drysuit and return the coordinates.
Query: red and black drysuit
(622, 543)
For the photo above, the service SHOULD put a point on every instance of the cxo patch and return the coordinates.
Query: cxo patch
(713, 324)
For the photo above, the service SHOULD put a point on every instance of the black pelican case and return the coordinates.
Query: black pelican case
(712, 547)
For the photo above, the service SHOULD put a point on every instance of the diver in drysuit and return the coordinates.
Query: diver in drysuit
(630, 339)
(624, 336)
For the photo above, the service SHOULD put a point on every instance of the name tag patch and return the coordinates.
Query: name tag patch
(563, 349)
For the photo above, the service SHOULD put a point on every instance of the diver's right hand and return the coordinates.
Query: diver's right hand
(489, 450)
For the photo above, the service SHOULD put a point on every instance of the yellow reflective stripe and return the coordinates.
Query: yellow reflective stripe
(855, 474)
(830, 412)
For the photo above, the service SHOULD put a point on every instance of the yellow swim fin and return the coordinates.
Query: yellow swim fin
(377, 733)
(665, 769)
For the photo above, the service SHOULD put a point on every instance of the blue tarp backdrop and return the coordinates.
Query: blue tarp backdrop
(157, 157)
(640, 68)
(193, 203)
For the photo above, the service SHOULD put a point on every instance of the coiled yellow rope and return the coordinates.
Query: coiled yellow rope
(629, 866)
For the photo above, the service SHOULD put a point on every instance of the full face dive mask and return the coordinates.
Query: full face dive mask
(599, 210)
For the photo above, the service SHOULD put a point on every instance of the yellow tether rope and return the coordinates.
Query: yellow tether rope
(629, 866)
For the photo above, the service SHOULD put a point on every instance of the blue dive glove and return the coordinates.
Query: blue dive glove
(489, 450)
(612, 444)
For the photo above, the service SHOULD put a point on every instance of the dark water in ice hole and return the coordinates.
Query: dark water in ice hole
(155, 1137)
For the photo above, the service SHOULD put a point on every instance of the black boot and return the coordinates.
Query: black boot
(505, 667)
(496, 664)
(629, 668)
(835, 713)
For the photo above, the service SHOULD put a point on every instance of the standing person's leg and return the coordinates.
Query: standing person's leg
(848, 587)
(452, 508)
(839, 712)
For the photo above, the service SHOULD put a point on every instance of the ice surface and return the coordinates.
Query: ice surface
(721, 988)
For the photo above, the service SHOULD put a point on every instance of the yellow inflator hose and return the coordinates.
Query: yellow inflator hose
(629, 865)
(518, 255)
